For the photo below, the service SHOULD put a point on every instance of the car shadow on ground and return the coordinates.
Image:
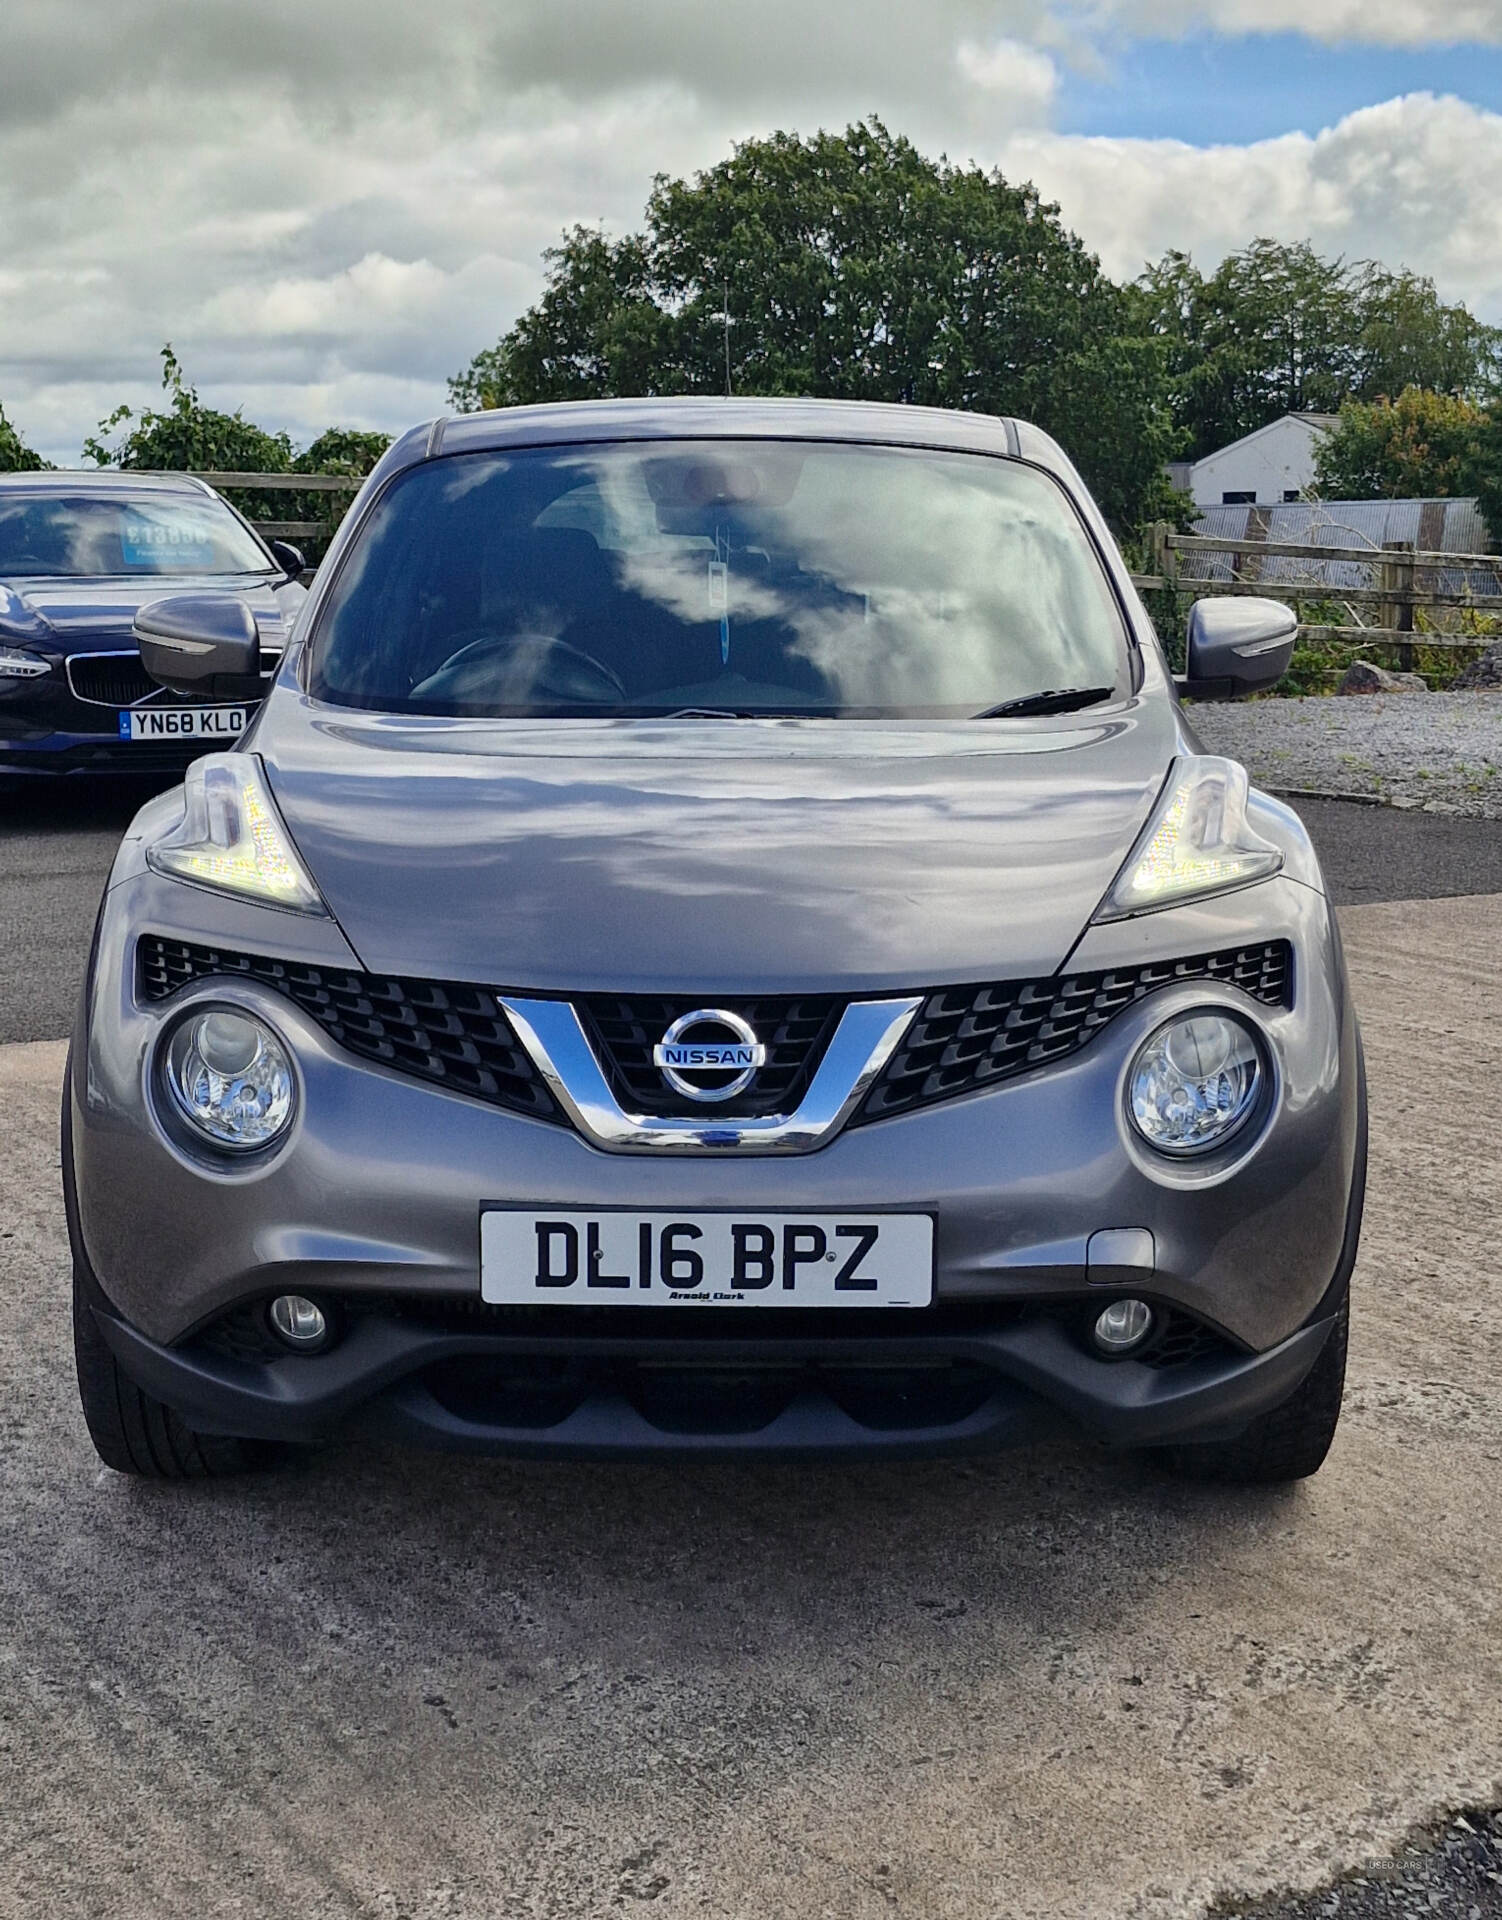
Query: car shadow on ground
(76, 803)
(707, 1561)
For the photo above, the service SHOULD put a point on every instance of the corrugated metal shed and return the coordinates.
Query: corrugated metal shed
(1436, 526)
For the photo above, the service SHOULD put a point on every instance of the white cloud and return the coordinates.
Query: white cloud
(1018, 79)
(1414, 182)
(328, 209)
(1396, 23)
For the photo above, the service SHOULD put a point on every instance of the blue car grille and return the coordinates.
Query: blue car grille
(453, 1034)
(963, 1038)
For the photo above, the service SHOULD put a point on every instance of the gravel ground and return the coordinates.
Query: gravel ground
(1438, 751)
(1456, 1876)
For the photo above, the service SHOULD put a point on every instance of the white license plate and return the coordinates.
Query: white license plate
(566, 1258)
(183, 723)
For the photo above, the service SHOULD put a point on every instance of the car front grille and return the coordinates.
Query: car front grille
(453, 1034)
(795, 1033)
(109, 679)
(963, 1038)
(119, 679)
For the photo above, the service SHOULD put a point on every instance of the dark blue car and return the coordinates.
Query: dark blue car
(79, 555)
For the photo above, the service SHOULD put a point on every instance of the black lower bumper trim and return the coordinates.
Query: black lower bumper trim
(397, 1379)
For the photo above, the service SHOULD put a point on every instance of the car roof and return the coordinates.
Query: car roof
(101, 480)
(709, 417)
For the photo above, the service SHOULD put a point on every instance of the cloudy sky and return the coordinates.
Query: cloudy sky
(329, 205)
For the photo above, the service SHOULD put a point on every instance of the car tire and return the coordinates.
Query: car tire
(135, 1433)
(1288, 1442)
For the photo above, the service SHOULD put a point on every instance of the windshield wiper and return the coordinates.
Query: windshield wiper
(1051, 700)
(708, 713)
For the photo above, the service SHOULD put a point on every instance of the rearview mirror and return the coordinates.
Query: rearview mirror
(287, 557)
(201, 643)
(1238, 646)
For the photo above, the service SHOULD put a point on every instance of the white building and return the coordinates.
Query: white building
(1263, 469)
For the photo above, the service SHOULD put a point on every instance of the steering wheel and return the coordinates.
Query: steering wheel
(512, 669)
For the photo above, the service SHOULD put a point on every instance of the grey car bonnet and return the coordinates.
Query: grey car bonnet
(747, 856)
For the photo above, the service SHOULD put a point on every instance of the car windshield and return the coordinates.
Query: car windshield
(72, 535)
(725, 576)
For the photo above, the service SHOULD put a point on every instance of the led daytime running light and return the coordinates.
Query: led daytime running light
(1198, 841)
(231, 837)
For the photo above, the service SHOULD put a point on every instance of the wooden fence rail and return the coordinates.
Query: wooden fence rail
(1294, 550)
(1396, 594)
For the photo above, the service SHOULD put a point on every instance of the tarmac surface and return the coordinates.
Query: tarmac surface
(1056, 1684)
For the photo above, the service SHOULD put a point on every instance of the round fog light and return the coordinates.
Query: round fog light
(230, 1078)
(301, 1322)
(1124, 1324)
(1194, 1082)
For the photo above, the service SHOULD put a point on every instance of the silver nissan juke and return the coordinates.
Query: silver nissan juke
(721, 940)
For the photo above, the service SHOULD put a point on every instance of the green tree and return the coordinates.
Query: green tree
(1420, 446)
(1485, 477)
(1409, 338)
(15, 455)
(1279, 329)
(186, 435)
(597, 330)
(350, 453)
(343, 450)
(852, 267)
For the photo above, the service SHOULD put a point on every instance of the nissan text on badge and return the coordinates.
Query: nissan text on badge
(720, 939)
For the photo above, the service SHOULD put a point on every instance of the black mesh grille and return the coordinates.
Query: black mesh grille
(119, 679)
(1181, 1338)
(454, 1034)
(968, 1037)
(795, 1033)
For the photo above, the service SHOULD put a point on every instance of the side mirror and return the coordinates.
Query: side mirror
(1238, 646)
(287, 557)
(201, 643)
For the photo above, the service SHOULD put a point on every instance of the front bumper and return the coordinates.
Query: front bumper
(592, 1397)
(375, 1202)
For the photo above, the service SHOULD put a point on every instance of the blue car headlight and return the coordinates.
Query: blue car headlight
(1194, 1082)
(229, 1077)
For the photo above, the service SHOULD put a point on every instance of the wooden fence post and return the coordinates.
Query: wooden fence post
(1397, 576)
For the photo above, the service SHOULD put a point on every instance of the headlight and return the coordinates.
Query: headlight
(1198, 841)
(231, 837)
(17, 664)
(1194, 1082)
(230, 1078)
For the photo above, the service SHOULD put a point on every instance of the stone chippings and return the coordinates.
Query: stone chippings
(1456, 1877)
(1442, 753)
(1485, 672)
